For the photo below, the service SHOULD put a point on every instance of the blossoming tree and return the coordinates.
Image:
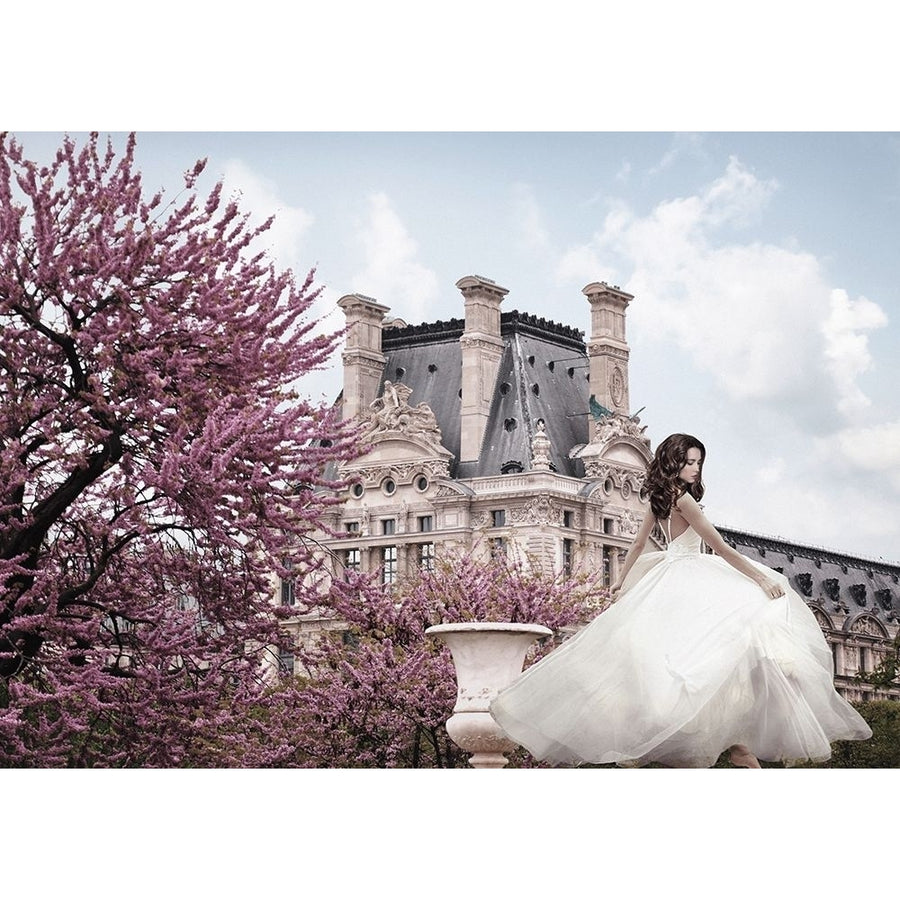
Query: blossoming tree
(157, 464)
(380, 693)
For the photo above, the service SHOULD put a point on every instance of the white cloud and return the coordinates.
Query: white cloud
(752, 315)
(392, 274)
(259, 196)
(772, 473)
(738, 197)
(846, 347)
(683, 144)
(866, 451)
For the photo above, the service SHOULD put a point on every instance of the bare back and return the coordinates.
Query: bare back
(675, 525)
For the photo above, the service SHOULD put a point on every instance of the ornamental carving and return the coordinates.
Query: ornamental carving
(540, 447)
(867, 625)
(480, 343)
(618, 426)
(402, 473)
(541, 510)
(391, 412)
(602, 470)
(804, 583)
(617, 386)
(537, 511)
(629, 523)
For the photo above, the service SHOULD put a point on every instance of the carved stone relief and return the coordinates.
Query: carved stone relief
(536, 511)
(629, 523)
(867, 625)
(617, 386)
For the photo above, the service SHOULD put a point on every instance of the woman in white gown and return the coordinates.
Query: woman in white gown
(700, 653)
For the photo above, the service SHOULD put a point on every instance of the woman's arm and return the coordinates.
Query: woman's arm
(634, 551)
(690, 509)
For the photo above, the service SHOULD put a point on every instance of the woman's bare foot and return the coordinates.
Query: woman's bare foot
(740, 755)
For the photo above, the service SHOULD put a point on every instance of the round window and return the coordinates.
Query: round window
(389, 486)
(422, 483)
(357, 490)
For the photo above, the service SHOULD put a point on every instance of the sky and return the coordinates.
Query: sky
(766, 318)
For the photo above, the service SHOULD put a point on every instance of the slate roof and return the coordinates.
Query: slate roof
(842, 586)
(543, 374)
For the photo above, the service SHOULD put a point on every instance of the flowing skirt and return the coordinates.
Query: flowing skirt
(691, 659)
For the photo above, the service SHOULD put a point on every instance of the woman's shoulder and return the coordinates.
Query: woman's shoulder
(685, 500)
(687, 505)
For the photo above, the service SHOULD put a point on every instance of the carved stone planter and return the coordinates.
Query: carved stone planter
(487, 656)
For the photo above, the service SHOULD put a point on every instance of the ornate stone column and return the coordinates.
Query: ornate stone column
(481, 348)
(362, 357)
(607, 348)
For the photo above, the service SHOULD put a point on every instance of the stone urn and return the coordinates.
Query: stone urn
(487, 656)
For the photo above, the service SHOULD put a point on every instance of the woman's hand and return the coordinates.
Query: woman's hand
(614, 589)
(773, 590)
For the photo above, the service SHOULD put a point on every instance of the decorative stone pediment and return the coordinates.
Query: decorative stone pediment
(617, 426)
(865, 624)
(617, 443)
(401, 437)
(823, 619)
(391, 414)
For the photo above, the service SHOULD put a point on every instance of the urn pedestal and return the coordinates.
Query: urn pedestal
(487, 656)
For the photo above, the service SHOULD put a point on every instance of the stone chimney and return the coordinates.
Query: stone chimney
(607, 349)
(482, 349)
(362, 356)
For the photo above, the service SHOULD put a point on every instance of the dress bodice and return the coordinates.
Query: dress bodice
(688, 543)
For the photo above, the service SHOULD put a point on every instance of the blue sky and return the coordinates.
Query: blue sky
(766, 318)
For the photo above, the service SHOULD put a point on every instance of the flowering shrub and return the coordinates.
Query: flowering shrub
(380, 693)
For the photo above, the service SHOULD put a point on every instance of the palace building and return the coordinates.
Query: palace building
(503, 432)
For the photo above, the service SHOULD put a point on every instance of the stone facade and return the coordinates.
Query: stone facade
(507, 433)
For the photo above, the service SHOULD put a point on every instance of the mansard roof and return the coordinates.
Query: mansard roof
(839, 584)
(543, 374)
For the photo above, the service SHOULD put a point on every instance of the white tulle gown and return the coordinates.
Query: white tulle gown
(691, 659)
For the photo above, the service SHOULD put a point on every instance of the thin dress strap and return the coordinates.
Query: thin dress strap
(667, 531)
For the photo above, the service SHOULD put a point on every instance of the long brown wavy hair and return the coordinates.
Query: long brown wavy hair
(662, 485)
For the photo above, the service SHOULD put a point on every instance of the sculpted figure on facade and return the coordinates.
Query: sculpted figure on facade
(392, 412)
(537, 511)
(540, 447)
(628, 523)
(867, 625)
(618, 426)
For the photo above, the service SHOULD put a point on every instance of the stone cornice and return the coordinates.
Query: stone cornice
(780, 545)
(511, 322)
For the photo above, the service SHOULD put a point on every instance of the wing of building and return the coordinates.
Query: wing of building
(504, 432)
